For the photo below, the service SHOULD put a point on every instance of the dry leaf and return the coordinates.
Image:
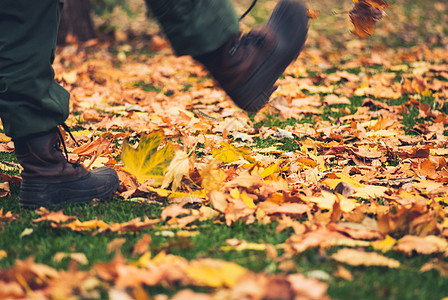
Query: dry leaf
(421, 245)
(56, 217)
(178, 169)
(214, 273)
(360, 258)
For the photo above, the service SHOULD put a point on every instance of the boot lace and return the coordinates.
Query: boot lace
(247, 39)
(248, 10)
(61, 141)
(251, 38)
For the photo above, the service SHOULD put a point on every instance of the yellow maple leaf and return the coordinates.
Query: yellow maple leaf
(229, 153)
(146, 161)
(385, 245)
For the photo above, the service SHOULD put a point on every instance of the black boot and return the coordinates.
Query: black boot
(247, 67)
(49, 180)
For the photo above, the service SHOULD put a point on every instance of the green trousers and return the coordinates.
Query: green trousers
(195, 27)
(32, 102)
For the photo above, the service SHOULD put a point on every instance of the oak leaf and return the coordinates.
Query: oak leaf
(147, 161)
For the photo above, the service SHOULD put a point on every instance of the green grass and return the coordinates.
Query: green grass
(368, 283)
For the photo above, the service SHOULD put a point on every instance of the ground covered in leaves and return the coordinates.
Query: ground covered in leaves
(336, 189)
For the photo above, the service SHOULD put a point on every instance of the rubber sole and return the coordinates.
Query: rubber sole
(289, 21)
(100, 185)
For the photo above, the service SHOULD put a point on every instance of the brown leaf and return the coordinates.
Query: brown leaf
(10, 178)
(312, 14)
(365, 14)
(421, 245)
(132, 225)
(343, 273)
(308, 288)
(115, 245)
(173, 211)
(8, 216)
(360, 258)
(142, 245)
(4, 189)
(56, 217)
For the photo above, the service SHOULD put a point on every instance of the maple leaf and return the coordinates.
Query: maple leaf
(56, 217)
(365, 14)
(228, 153)
(147, 161)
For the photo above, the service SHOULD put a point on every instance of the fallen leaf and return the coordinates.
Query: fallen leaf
(115, 245)
(214, 273)
(78, 257)
(146, 161)
(365, 14)
(177, 169)
(56, 217)
(421, 245)
(142, 245)
(360, 258)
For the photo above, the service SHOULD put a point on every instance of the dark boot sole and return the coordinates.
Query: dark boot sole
(289, 21)
(53, 195)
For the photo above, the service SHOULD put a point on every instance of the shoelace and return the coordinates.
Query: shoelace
(248, 10)
(62, 141)
(246, 38)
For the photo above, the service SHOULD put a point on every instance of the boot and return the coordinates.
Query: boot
(49, 180)
(248, 66)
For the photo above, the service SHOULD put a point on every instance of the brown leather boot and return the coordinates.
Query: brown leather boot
(49, 180)
(247, 67)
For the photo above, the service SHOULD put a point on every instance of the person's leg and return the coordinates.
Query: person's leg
(195, 27)
(32, 105)
(30, 100)
(247, 66)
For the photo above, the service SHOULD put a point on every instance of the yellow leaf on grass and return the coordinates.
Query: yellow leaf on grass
(3, 254)
(147, 161)
(4, 138)
(385, 245)
(228, 153)
(360, 258)
(214, 272)
(81, 226)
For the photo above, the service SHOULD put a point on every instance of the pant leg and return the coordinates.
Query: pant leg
(30, 100)
(195, 27)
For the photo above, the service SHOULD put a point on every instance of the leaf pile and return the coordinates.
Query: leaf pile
(349, 155)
